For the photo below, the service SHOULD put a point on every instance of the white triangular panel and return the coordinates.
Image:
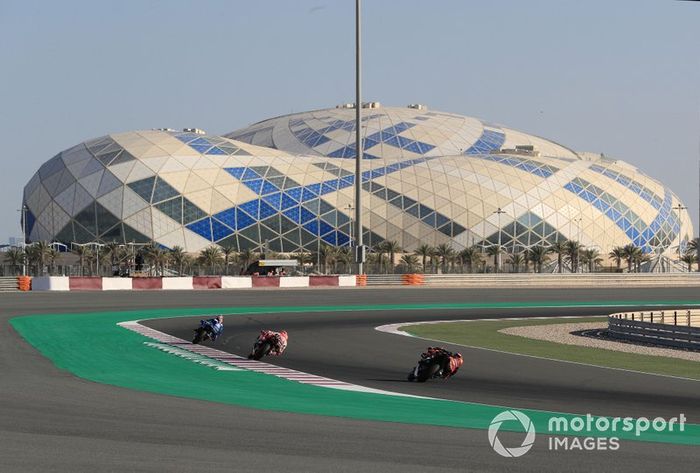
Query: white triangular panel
(194, 243)
(132, 203)
(141, 222)
(92, 182)
(113, 201)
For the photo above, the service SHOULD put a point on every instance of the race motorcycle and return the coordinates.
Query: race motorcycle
(431, 365)
(268, 343)
(204, 332)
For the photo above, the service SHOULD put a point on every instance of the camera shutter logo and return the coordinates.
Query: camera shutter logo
(528, 441)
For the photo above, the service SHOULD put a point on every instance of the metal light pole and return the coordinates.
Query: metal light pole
(350, 208)
(679, 207)
(24, 239)
(358, 145)
(498, 212)
(578, 237)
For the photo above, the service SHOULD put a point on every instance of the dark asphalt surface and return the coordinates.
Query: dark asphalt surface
(52, 421)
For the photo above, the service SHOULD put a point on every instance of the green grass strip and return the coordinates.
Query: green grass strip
(485, 334)
(93, 347)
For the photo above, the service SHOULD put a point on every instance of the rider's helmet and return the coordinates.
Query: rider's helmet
(220, 319)
(283, 334)
(458, 355)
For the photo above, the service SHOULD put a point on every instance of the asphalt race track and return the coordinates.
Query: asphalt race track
(52, 421)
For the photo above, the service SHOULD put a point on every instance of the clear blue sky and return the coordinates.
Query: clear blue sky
(619, 77)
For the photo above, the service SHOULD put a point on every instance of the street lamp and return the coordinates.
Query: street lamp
(349, 209)
(498, 212)
(359, 247)
(578, 221)
(679, 207)
(24, 210)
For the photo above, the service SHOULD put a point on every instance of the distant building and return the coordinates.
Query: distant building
(428, 178)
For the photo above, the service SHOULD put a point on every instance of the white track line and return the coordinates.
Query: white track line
(394, 329)
(251, 365)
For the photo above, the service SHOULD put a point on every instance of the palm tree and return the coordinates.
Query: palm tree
(573, 252)
(444, 251)
(391, 247)
(210, 257)
(689, 258)
(617, 254)
(246, 257)
(630, 254)
(112, 249)
(344, 255)
(495, 251)
(560, 248)
(83, 252)
(517, 260)
(591, 257)
(303, 257)
(380, 249)
(15, 256)
(328, 256)
(179, 258)
(51, 257)
(424, 251)
(410, 262)
(229, 253)
(38, 253)
(538, 255)
(470, 256)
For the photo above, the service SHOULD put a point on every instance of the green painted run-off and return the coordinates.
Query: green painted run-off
(93, 347)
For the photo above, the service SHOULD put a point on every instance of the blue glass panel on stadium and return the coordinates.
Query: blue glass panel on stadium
(216, 150)
(490, 140)
(636, 187)
(236, 172)
(527, 165)
(243, 220)
(219, 230)
(227, 216)
(633, 226)
(202, 228)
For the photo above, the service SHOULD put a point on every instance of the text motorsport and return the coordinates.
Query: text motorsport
(586, 433)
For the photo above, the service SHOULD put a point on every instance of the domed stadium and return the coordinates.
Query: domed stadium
(287, 184)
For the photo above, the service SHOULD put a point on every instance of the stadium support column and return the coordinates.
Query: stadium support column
(359, 249)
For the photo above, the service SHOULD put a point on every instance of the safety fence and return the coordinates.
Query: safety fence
(675, 328)
(88, 283)
(555, 280)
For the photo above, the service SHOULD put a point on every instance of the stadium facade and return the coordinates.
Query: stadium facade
(287, 184)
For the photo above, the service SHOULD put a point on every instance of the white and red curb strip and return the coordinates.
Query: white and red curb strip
(250, 365)
(96, 283)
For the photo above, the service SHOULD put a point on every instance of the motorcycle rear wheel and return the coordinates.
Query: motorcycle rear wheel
(428, 372)
(262, 350)
(198, 336)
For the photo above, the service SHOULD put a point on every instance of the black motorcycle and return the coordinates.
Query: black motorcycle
(203, 333)
(427, 368)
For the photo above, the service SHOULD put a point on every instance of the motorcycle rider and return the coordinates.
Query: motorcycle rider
(278, 339)
(449, 362)
(216, 327)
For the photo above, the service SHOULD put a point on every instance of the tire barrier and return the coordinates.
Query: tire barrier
(24, 283)
(549, 280)
(673, 328)
(412, 279)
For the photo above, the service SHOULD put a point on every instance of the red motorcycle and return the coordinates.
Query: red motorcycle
(269, 343)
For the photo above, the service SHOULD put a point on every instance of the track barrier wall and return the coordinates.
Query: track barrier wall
(679, 328)
(206, 282)
(505, 281)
